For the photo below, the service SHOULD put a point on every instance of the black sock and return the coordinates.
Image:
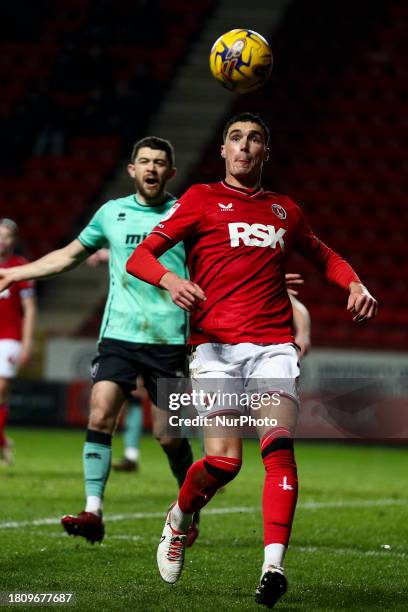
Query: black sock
(180, 460)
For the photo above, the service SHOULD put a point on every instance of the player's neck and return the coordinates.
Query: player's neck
(143, 201)
(247, 182)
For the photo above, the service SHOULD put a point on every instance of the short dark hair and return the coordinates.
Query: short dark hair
(153, 142)
(247, 118)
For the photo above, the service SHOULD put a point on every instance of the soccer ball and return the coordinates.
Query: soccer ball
(241, 60)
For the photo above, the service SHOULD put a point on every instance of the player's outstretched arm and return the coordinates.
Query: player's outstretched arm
(51, 264)
(361, 303)
(337, 271)
(144, 264)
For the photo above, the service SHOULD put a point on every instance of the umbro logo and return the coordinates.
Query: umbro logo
(226, 207)
(285, 486)
(121, 216)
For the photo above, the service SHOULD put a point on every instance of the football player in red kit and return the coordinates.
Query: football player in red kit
(17, 316)
(237, 236)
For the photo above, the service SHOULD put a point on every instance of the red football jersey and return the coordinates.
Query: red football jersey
(11, 312)
(236, 243)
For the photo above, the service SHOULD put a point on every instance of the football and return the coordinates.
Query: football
(241, 60)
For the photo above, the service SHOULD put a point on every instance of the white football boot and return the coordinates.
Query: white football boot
(170, 552)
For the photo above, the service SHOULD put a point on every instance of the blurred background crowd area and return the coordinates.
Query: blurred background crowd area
(81, 80)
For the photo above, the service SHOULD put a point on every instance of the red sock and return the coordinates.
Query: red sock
(203, 480)
(280, 488)
(3, 420)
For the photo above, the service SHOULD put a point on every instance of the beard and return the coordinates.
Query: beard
(153, 194)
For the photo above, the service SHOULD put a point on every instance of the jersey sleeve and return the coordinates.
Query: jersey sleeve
(336, 269)
(144, 263)
(306, 241)
(183, 219)
(92, 236)
(26, 288)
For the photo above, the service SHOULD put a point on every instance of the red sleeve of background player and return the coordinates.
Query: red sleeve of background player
(25, 288)
(335, 268)
(182, 220)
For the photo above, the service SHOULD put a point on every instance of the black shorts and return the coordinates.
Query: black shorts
(122, 362)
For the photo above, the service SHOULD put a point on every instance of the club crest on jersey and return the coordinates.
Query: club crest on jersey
(279, 211)
(226, 207)
(171, 212)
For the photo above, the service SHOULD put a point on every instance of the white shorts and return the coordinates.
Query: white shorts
(9, 354)
(244, 369)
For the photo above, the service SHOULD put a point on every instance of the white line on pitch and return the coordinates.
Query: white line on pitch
(358, 503)
(327, 550)
(348, 551)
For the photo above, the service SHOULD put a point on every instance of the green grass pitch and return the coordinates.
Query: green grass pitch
(352, 503)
